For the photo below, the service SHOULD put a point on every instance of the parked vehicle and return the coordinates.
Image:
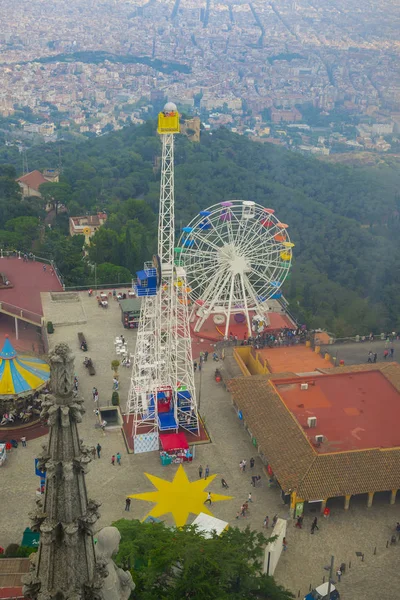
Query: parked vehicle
(321, 593)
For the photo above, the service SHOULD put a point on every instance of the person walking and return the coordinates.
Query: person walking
(96, 396)
(128, 504)
(339, 575)
(98, 448)
(94, 391)
(23, 441)
(370, 357)
(314, 525)
(274, 520)
(118, 459)
(284, 544)
(195, 366)
(205, 356)
(266, 522)
(375, 357)
(113, 460)
(244, 465)
(93, 452)
(254, 480)
(224, 484)
(249, 498)
(208, 499)
(207, 472)
(241, 465)
(391, 352)
(385, 353)
(299, 522)
(200, 471)
(252, 461)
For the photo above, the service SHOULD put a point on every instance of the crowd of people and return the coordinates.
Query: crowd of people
(284, 336)
(279, 337)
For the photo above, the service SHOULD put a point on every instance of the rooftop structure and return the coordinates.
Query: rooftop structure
(11, 572)
(86, 225)
(29, 279)
(296, 359)
(31, 182)
(20, 375)
(354, 410)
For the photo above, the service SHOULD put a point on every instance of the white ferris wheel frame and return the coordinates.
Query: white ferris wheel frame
(235, 266)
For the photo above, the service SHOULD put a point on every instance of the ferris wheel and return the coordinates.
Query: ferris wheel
(236, 254)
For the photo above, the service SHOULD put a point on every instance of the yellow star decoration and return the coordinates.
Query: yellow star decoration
(179, 496)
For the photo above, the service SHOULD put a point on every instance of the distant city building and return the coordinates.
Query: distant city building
(289, 116)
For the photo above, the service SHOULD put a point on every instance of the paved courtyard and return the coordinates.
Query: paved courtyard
(357, 530)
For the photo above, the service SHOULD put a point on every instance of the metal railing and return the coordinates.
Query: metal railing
(98, 286)
(21, 313)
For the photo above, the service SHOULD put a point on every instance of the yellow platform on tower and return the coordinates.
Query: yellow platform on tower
(168, 122)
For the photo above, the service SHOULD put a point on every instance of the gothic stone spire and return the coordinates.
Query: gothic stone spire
(65, 563)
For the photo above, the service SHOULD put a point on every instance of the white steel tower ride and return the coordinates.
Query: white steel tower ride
(162, 392)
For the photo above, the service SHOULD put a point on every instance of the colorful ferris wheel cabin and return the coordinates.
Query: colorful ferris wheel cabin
(205, 223)
(266, 220)
(226, 213)
(188, 241)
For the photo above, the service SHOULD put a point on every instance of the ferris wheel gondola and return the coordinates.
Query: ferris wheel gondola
(236, 254)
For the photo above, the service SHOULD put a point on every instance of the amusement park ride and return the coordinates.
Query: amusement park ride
(237, 254)
(231, 260)
(162, 392)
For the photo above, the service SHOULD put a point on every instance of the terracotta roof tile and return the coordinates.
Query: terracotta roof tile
(278, 434)
(351, 473)
(33, 180)
(295, 463)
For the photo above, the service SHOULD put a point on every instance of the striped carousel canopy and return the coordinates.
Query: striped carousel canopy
(20, 374)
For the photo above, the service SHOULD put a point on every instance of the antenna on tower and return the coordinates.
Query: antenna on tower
(59, 160)
(25, 169)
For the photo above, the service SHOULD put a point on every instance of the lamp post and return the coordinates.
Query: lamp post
(201, 378)
(330, 569)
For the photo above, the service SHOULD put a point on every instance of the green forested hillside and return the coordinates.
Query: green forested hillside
(343, 220)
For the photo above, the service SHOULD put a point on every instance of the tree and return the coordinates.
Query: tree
(171, 564)
(57, 193)
(108, 273)
(114, 366)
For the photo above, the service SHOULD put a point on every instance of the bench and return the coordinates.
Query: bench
(4, 282)
(82, 342)
(90, 367)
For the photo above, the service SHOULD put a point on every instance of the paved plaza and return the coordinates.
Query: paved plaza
(346, 532)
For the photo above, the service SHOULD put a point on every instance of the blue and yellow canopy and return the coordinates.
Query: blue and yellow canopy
(20, 374)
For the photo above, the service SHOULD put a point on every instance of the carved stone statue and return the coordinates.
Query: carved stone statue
(118, 584)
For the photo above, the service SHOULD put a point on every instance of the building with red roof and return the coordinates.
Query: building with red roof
(30, 183)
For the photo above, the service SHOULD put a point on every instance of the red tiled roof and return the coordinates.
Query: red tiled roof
(33, 180)
(295, 463)
(11, 592)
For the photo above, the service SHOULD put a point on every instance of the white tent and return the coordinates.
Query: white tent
(206, 524)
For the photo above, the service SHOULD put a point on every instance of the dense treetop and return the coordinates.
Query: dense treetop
(343, 219)
(170, 564)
